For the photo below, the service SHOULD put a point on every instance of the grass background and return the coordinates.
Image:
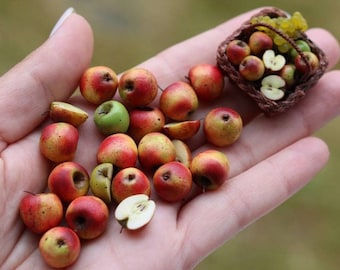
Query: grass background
(301, 234)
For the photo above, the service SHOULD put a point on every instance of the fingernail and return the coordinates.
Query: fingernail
(61, 20)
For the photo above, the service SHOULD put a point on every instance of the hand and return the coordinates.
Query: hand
(273, 159)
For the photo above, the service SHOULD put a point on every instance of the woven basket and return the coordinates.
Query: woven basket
(295, 93)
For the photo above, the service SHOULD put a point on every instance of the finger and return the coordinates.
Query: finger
(49, 73)
(214, 217)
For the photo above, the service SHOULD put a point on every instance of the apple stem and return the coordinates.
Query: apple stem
(29, 192)
(160, 88)
(121, 229)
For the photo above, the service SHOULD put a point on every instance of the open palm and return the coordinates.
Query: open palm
(273, 159)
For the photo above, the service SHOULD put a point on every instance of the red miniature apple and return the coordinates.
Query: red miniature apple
(222, 126)
(236, 51)
(66, 112)
(178, 101)
(155, 149)
(311, 65)
(98, 84)
(129, 181)
(87, 216)
(207, 81)
(69, 180)
(260, 42)
(251, 68)
(41, 212)
(59, 247)
(119, 149)
(209, 169)
(138, 87)
(144, 120)
(59, 141)
(172, 181)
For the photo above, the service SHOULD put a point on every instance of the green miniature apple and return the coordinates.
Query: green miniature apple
(111, 117)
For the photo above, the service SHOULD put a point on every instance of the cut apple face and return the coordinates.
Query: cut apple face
(182, 130)
(100, 181)
(183, 152)
(135, 211)
(272, 87)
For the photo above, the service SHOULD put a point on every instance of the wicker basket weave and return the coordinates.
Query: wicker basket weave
(296, 93)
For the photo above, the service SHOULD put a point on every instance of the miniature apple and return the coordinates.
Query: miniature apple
(183, 152)
(302, 45)
(155, 149)
(100, 181)
(69, 180)
(178, 101)
(129, 181)
(237, 50)
(65, 112)
(311, 65)
(135, 211)
(259, 42)
(119, 149)
(272, 61)
(181, 130)
(138, 87)
(111, 117)
(222, 126)
(98, 84)
(59, 247)
(287, 73)
(144, 120)
(172, 181)
(207, 81)
(59, 141)
(251, 68)
(209, 169)
(273, 87)
(87, 216)
(40, 212)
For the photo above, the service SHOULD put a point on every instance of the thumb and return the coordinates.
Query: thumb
(49, 73)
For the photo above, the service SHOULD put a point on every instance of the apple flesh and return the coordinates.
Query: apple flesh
(222, 126)
(178, 101)
(210, 169)
(100, 181)
(66, 112)
(118, 149)
(144, 120)
(69, 180)
(172, 181)
(41, 212)
(138, 87)
(207, 81)
(111, 117)
(155, 149)
(98, 84)
(87, 216)
(59, 141)
(183, 152)
(59, 247)
(135, 211)
(129, 181)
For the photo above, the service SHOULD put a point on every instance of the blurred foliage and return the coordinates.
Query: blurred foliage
(301, 234)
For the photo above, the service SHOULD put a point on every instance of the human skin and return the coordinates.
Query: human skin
(259, 181)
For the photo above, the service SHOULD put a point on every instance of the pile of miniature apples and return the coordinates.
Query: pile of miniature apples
(259, 60)
(140, 141)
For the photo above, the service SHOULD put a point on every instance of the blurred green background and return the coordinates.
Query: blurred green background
(303, 233)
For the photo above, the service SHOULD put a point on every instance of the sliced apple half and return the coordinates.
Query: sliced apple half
(182, 130)
(135, 211)
(100, 181)
(65, 112)
(183, 152)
